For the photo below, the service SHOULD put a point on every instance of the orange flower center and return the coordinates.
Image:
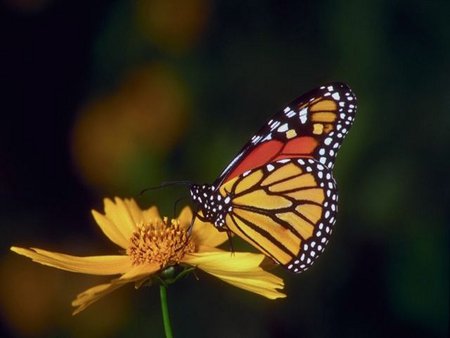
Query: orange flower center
(160, 242)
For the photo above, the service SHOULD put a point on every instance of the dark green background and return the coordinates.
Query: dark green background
(385, 272)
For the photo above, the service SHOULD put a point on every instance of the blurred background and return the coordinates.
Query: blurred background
(105, 98)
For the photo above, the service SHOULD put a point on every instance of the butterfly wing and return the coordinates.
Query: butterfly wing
(312, 126)
(286, 209)
(278, 193)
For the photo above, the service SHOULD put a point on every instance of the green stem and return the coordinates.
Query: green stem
(165, 311)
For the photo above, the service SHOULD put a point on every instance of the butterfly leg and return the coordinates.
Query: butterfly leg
(230, 241)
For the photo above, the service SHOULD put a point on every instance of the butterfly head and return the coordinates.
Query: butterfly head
(212, 205)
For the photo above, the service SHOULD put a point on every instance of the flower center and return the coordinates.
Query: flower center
(160, 242)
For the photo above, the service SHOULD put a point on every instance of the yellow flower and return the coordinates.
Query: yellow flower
(150, 244)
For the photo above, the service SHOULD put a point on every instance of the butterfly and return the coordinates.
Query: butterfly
(279, 193)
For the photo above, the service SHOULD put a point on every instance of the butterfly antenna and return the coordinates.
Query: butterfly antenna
(196, 215)
(164, 185)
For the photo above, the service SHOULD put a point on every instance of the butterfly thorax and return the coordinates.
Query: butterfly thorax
(212, 204)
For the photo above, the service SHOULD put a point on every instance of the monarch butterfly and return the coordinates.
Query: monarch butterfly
(279, 193)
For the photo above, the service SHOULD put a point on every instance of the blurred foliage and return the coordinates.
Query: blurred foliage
(110, 97)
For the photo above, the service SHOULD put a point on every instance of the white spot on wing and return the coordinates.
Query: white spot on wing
(336, 96)
(303, 114)
(274, 124)
(283, 128)
(290, 114)
(267, 138)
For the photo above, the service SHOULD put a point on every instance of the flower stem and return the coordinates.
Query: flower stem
(165, 311)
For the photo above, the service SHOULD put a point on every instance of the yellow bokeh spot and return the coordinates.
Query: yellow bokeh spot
(173, 25)
(139, 122)
(33, 302)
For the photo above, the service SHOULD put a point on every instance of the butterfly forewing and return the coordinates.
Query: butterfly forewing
(312, 126)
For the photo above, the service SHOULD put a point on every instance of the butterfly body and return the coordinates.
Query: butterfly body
(214, 205)
(279, 193)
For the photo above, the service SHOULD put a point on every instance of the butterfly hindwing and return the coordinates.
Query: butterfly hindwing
(286, 209)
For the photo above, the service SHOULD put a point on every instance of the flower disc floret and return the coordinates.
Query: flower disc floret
(160, 242)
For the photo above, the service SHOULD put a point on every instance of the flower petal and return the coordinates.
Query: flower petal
(237, 261)
(120, 215)
(260, 282)
(239, 269)
(206, 234)
(110, 230)
(151, 215)
(203, 248)
(93, 294)
(185, 217)
(139, 271)
(134, 210)
(94, 265)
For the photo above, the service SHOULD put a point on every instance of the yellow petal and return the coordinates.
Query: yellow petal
(138, 215)
(151, 215)
(185, 217)
(110, 230)
(134, 210)
(93, 294)
(239, 269)
(206, 234)
(120, 215)
(260, 282)
(139, 271)
(236, 261)
(203, 248)
(94, 265)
